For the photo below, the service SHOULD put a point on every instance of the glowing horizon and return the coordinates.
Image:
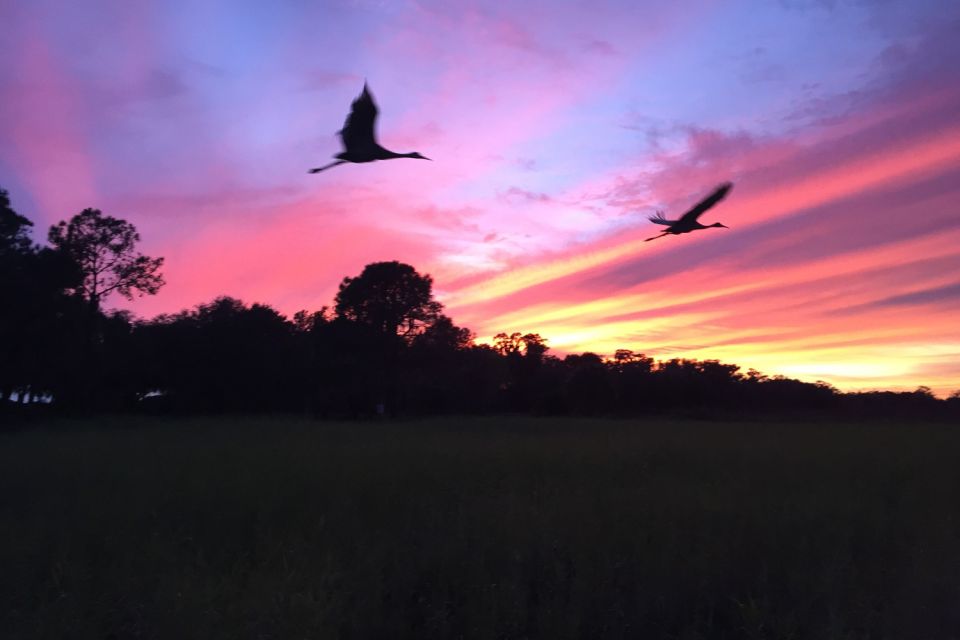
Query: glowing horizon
(555, 129)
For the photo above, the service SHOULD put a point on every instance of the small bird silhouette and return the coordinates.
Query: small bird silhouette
(688, 221)
(359, 142)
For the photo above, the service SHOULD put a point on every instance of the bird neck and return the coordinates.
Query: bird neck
(386, 153)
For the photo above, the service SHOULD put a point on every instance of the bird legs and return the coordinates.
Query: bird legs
(662, 233)
(326, 166)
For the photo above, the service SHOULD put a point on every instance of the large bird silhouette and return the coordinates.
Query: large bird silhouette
(688, 221)
(359, 141)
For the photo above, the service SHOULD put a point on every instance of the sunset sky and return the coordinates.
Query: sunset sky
(555, 128)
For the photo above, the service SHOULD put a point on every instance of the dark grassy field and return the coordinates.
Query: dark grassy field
(479, 528)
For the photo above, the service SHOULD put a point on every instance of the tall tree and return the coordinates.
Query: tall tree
(390, 297)
(443, 335)
(105, 249)
(35, 314)
(14, 229)
(529, 345)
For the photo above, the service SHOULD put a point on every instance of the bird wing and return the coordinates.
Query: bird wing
(718, 194)
(357, 131)
(660, 219)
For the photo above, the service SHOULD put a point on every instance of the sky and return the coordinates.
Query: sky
(555, 129)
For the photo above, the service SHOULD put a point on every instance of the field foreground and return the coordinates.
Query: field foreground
(479, 528)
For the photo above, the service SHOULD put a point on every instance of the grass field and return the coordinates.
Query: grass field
(479, 528)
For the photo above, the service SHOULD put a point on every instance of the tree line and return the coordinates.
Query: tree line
(384, 348)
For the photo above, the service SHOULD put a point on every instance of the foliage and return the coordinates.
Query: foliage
(37, 320)
(390, 297)
(385, 348)
(105, 249)
(14, 229)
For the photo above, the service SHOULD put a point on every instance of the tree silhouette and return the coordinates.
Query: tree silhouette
(14, 229)
(529, 345)
(386, 349)
(35, 314)
(16, 268)
(437, 375)
(444, 336)
(393, 304)
(306, 321)
(390, 297)
(105, 249)
(507, 345)
(221, 356)
(524, 357)
(588, 385)
(535, 347)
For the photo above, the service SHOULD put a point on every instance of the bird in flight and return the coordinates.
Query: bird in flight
(688, 221)
(359, 142)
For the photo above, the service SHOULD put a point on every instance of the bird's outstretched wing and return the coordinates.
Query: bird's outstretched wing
(357, 131)
(659, 218)
(718, 194)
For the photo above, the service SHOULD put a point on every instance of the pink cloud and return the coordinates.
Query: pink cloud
(811, 238)
(40, 136)
(532, 216)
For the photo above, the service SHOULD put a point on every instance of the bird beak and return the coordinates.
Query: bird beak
(426, 158)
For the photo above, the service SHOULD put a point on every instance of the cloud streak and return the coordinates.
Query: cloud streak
(556, 128)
